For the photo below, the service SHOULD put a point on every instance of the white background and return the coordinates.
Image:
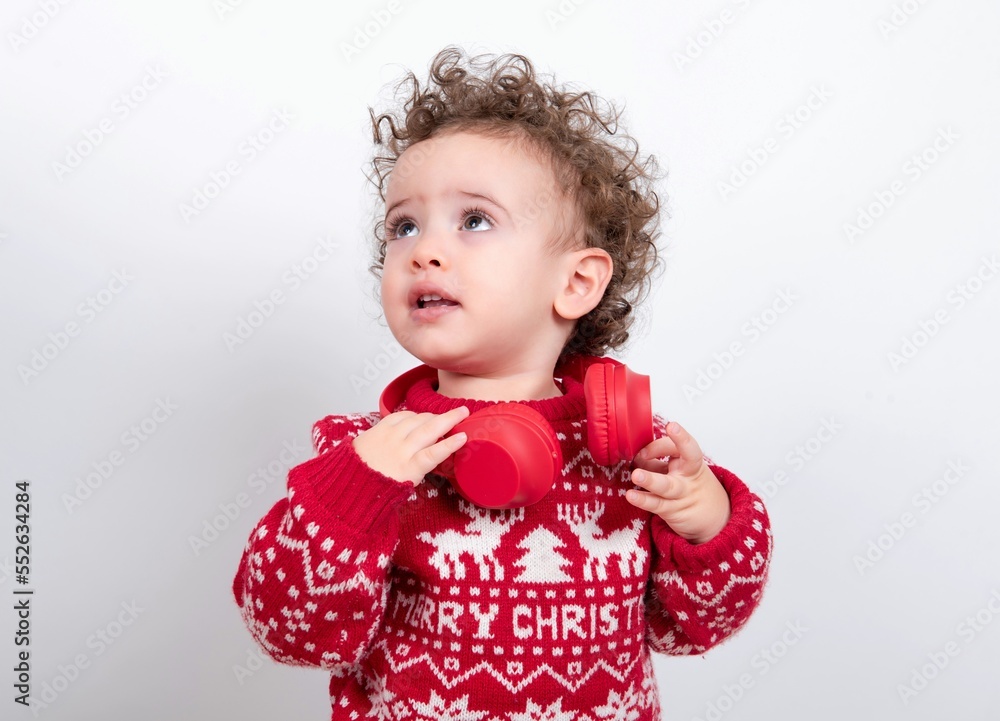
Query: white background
(893, 78)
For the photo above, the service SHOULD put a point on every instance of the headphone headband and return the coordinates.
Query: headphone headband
(395, 393)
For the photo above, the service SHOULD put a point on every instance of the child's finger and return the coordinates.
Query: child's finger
(689, 452)
(450, 419)
(643, 500)
(426, 428)
(434, 455)
(653, 465)
(394, 419)
(649, 501)
(659, 448)
(658, 484)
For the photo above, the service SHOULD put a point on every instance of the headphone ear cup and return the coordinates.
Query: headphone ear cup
(619, 415)
(511, 457)
(598, 389)
(636, 417)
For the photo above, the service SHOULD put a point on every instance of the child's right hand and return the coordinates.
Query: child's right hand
(405, 446)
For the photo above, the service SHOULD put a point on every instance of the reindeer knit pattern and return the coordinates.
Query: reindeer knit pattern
(424, 606)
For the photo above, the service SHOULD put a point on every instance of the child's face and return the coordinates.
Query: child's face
(487, 256)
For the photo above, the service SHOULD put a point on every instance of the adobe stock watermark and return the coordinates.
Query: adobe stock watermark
(225, 7)
(373, 368)
(787, 126)
(88, 310)
(6, 569)
(292, 280)
(537, 207)
(558, 14)
(416, 155)
(957, 298)
(131, 439)
(255, 660)
(797, 458)
(711, 31)
(924, 500)
(753, 330)
(259, 481)
(900, 14)
(371, 29)
(94, 136)
(762, 662)
(248, 150)
(97, 644)
(968, 629)
(32, 24)
(913, 169)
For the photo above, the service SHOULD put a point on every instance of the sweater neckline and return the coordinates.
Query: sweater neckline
(423, 397)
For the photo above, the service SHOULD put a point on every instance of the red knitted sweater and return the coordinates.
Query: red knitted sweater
(423, 606)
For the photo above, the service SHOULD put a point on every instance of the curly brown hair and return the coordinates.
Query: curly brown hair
(596, 166)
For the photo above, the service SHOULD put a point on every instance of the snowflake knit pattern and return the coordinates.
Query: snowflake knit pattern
(424, 606)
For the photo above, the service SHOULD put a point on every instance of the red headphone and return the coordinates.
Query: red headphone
(512, 456)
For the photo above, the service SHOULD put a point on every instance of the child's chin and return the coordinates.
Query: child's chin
(449, 363)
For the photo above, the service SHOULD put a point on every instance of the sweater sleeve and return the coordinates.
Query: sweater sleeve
(312, 580)
(702, 594)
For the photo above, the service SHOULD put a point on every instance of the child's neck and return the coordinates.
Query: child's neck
(519, 387)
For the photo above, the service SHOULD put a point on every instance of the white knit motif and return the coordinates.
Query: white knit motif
(480, 539)
(600, 546)
(575, 676)
(541, 562)
(553, 712)
(627, 705)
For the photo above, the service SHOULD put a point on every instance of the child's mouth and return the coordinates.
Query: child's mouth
(430, 307)
(434, 303)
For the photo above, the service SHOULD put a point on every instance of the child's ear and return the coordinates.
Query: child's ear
(588, 273)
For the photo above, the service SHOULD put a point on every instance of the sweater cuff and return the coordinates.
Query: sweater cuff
(351, 494)
(738, 536)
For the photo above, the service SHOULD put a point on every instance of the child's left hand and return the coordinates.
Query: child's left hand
(682, 490)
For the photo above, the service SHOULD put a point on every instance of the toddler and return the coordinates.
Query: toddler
(518, 234)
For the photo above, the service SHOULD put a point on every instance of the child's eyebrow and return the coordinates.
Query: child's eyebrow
(465, 193)
(483, 196)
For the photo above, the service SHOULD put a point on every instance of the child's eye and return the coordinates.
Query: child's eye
(478, 215)
(394, 225)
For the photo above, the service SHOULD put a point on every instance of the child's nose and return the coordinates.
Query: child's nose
(428, 251)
